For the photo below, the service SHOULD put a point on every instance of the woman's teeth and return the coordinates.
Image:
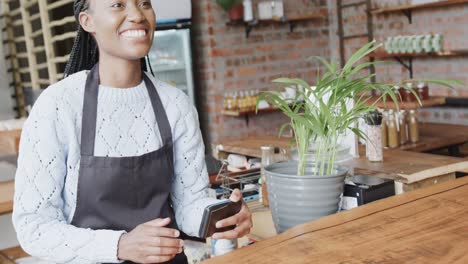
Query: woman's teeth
(134, 33)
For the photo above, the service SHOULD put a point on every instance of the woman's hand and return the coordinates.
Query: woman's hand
(242, 220)
(150, 242)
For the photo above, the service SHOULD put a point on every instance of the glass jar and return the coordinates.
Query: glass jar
(267, 159)
(384, 130)
(229, 101)
(400, 93)
(374, 150)
(235, 101)
(403, 125)
(410, 96)
(423, 91)
(393, 136)
(413, 127)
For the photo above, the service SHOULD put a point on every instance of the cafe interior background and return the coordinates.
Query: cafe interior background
(214, 56)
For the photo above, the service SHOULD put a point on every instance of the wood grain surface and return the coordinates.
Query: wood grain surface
(424, 226)
(6, 197)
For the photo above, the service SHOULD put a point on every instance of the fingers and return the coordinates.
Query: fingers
(159, 222)
(243, 221)
(163, 251)
(236, 219)
(162, 232)
(230, 221)
(167, 242)
(236, 195)
(239, 231)
(158, 259)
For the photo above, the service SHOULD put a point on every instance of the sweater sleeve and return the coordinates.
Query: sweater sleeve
(191, 182)
(38, 217)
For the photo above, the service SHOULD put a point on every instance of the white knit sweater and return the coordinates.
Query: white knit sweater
(49, 158)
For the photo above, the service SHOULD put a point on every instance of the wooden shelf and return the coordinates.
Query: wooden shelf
(452, 53)
(381, 54)
(250, 112)
(433, 101)
(292, 21)
(419, 6)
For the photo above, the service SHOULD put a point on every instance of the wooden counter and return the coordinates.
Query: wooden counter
(6, 197)
(424, 226)
(433, 136)
(406, 166)
(437, 136)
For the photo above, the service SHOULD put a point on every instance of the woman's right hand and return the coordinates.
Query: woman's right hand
(150, 242)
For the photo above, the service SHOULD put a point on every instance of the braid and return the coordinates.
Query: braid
(85, 52)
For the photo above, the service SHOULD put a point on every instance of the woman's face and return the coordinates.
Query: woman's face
(122, 28)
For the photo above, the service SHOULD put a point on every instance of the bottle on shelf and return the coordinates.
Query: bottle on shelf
(423, 91)
(267, 159)
(235, 102)
(230, 101)
(403, 127)
(413, 127)
(410, 96)
(393, 135)
(248, 10)
(384, 129)
(241, 101)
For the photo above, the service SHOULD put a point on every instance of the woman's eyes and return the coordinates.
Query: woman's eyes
(117, 5)
(145, 4)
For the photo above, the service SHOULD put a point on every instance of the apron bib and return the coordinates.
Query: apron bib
(120, 193)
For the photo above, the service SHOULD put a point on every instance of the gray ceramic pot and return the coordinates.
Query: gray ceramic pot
(296, 199)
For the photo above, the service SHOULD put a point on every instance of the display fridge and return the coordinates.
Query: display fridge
(170, 55)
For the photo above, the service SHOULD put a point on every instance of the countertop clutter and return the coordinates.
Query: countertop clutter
(425, 226)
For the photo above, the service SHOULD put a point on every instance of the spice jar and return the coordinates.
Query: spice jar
(374, 151)
(403, 125)
(410, 96)
(423, 91)
(413, 127)
(267, 159)
(235, 101)
(401, 92)
(384, 129)
(393, 135)
(229, 101)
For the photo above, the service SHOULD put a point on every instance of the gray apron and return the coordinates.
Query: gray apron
(119, 193)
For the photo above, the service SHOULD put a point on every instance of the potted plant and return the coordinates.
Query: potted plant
(234, 8)
(300, 191)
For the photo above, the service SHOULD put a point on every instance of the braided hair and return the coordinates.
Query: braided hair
(85, 53)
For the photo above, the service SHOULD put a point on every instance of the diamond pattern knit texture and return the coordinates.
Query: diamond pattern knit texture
(49, 158)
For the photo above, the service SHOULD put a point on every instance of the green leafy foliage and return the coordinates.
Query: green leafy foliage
(322, 114)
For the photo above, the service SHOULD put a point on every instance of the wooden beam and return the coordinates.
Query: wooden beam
(29, 45)
(49, 48)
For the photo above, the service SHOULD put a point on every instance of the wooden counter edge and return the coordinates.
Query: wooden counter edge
(433, 172)
(345, 217)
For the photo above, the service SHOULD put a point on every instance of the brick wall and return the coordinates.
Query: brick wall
(225, 61)
(449, 21)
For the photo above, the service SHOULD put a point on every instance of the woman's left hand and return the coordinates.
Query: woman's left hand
(242, 220)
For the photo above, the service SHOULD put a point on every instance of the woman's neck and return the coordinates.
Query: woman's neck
(119, 73)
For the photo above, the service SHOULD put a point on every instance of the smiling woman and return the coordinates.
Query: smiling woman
(111, 165)
(114, 31)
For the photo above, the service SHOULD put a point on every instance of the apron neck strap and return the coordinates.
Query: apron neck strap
(159, 112)
(90, 103)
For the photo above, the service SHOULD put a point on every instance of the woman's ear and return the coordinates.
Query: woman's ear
(86, 22)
